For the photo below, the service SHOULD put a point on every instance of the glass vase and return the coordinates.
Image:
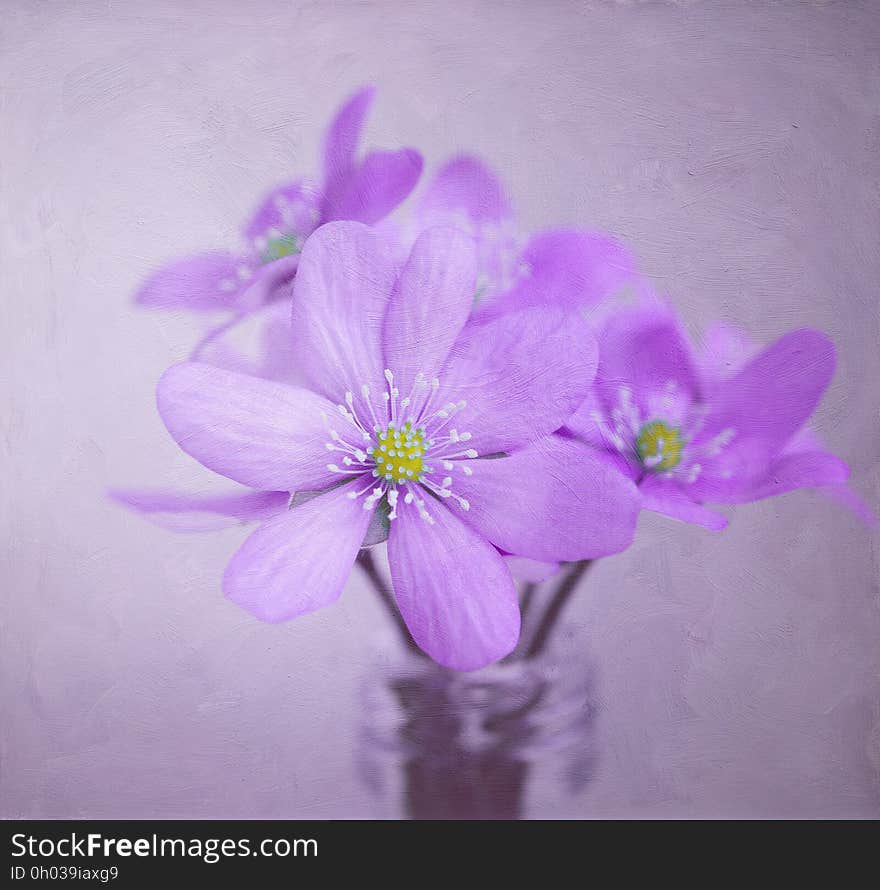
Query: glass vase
(438, 744)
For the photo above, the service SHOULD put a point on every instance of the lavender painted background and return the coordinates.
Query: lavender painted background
(737, 148)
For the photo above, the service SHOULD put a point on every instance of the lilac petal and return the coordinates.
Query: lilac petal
(430, 304)
(806, 440)
(375, 187)
(279, 361)
(465, 193)
(788, 472)
(454, 590)
(645, 350)
(530, 570)
(200, 512)
(340, 295)
(522, 375)
(289, 209)
(571, 268)
(300, 560)
(464, 185)
(845, 496)
(762, 407)
(206, 282)
(242, 343)
(342, 138)
(368, 190)
(584, 426)
(724, 350)
(377, 530)
(270, 283)
(661, 496)
(256, 343)
(584, 423)
(263, 434)
(555, 501)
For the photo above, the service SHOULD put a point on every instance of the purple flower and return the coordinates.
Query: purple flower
(438, 425)
(692, 429)
(466, 194)
(364, 189)
(571, 267)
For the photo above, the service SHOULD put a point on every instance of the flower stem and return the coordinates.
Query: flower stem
(526, 600)
(368, 564)
(554, 608)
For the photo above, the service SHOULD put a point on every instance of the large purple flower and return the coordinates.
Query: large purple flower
(439, 425)
(363, 189)
(571, 267)
(691, 430)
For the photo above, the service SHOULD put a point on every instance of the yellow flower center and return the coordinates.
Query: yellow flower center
(399, 453)
(286, 245)
(659, 445)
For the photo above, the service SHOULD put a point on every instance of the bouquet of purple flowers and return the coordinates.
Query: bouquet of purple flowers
(492, 407)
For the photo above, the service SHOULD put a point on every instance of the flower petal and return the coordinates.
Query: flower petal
(555, 501)
(802, 469)
(585, 423)
(522, 374)
(381, 181)
(256, 343)
(724, 350)
(660, 496)
(300, 560)
(345, 278)
(466, 194)
(257, 432)
(532, 571)
(290, 209)
(342, 138)
(762, 407)
(430, 304)
(454, 591)
(183, 512)
(464, 185)
(806, 440)
(271, 282)
(571, 268)
(645, 350)
(848, 498)
(208, 282)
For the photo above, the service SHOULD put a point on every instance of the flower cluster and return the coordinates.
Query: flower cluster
(480, 401)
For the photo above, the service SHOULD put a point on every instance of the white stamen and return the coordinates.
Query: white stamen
(334, 468)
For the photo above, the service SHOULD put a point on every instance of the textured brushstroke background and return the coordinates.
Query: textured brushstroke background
(734, 145)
